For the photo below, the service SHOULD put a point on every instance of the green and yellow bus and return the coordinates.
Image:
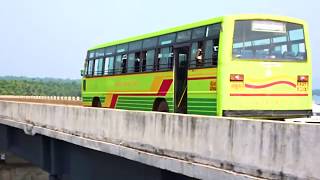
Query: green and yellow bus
(245, 65)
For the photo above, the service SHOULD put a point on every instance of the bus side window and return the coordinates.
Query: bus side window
(212, 46)
(124, 60)
(143, 61)
(117, 65)
(90, 68)
(150, 60)
(98, 67)
(108, 66)
(208, 53)
(86, 67)
(165, 59)
(197, 58)
(137, 62)
(131, 63)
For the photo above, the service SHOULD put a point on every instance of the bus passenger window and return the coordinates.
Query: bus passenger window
(90, 68)
(98, 67)
(117, 65)
(212, 46)
(213, 31)
(86, 67)
(165, 59)
(198, 33)
(211, 53)
(197, 57)
(91, 54)
(131, 63)
(137, 62)
(124, 61)
(208, 53)
(150, 60)
(143, 61)
(108, 66)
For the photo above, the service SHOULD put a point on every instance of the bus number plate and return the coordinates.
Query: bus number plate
(302, 86)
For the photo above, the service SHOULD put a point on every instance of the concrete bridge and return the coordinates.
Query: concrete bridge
(78, 143)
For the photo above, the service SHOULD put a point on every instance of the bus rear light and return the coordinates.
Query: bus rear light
(236, 77)
(303, 78)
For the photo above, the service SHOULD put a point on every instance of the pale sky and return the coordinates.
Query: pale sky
(50, 38)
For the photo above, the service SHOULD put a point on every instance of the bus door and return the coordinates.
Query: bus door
(181, 56)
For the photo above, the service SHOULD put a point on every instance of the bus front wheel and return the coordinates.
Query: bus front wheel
(96, 102)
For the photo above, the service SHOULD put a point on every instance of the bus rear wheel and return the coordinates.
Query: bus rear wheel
(162, 106)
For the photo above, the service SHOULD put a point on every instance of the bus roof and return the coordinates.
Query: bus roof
(194, 25)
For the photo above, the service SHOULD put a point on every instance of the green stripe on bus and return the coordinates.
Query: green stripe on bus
(201, 100)
(135, 98)
(206, 108)
(134, 105)
(202, 104)
(202, 112)
(135, 101)
(133, 108)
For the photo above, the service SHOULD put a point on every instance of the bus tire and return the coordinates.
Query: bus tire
(162, 106)
(96, 102)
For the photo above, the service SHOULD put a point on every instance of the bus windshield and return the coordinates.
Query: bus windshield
(269, 40)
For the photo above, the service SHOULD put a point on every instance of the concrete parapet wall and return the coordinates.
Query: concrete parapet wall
(265, 149)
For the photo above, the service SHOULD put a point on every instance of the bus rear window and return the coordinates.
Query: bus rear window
(269, 40)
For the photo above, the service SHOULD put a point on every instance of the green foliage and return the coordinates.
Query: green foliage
(316, 92)
(10, 85)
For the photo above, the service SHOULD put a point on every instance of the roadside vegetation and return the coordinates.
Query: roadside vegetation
(24, 86)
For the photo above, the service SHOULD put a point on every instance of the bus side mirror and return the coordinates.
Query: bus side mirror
(82, 72)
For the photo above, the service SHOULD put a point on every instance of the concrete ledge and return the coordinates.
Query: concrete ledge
(197, 146)
(195, 170)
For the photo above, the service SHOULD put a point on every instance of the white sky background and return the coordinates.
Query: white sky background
(49, 38)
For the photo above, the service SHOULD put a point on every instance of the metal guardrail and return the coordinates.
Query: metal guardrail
(64, 98)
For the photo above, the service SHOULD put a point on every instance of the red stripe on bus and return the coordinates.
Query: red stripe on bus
(234, 94)
(201, 78)
(164, 88)
(114, 100)
(269, 85)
